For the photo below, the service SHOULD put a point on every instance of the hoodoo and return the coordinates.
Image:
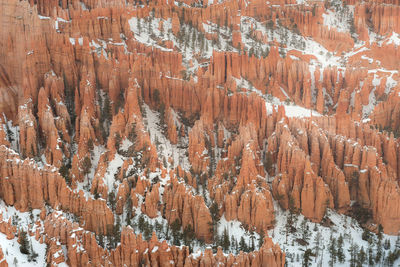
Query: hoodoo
(199, 133)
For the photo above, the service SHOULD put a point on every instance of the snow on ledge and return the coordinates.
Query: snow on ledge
(293, 111)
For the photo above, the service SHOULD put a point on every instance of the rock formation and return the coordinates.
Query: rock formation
(117, 111)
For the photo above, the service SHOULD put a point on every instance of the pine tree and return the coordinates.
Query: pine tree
(214, 210)
(109, 236)
(86, 165)
(392, 257)
(379, 252)
(366, 234)
(332, 251)
(111, 200)
(10, 134)
(386, 244)
(225, 240)
(317, 243)
(128, 208)
(64, 171)
(118, 141)
(290, 219)
(361, 257)
(132, 134)
(176, 227)
(234, 244)
(148, 230)
(252, 245)
(243, 245)
(188, 235)
(117, 231)
(304, 230)
(353, 254)
(307, 257)
(380, 233)
(90, 144)
(105, 119)
(159, 227)
(23, 242)
(398, 241)
(370, 256)
(32, 254)
(340, 254)
(141, 222)
(261, 239)
(101, 240)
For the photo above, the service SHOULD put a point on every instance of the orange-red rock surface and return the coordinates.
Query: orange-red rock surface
(102, 120)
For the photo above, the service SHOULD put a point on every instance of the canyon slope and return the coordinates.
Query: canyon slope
(198, 132)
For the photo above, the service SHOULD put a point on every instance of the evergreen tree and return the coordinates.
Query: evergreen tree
(340, 254)
(175, 228)
(304, 230)
(307, 257)
(290, 219)
(252, 245)
(234, 244)
(117, 231)
(379, 252)
(32, 254)
(101, 240)
(10, 134)
(380, 233)
(148, 230)
(332, 251)
(141, 222)
(86, 165)
(111, 200)
(366, 234)
(118, 141)
(386, 244)
(361, 257)
(96, 194)
(159, 227)
(90, 144)
(225, 240)
(105, 119)
(132, 134)
(353, 254)
(317, 243)
(128, 208)
(23, 242)
(292, 208)
(64, 171)
(188, 235)
(214, 210)
(392, 257)
(370, 256)
(242, 245)
(398, 241)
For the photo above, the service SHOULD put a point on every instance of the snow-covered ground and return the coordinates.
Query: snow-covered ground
(235, 229)
(194, 46)
(164, 147)
(12, 132)
(11, 248)
(14, 257)
(319, 238)
(191, 43)
(271, 102)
